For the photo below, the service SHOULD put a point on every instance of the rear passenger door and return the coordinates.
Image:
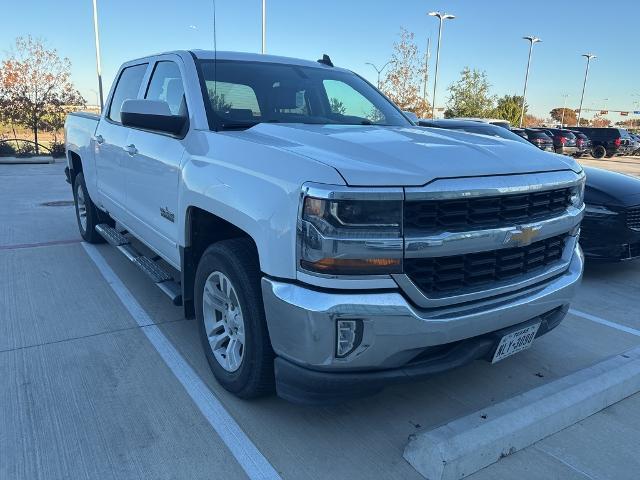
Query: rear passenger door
(111, 140)
(152, 173)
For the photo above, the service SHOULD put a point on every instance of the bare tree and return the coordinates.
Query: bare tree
(35, 85)
(402, 82)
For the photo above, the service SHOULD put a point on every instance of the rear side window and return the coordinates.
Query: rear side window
(166, 85)
(127, 88)
(236, 101)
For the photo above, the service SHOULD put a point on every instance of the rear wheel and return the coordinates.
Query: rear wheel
(599, 152)
(87, 215)
(231, 320)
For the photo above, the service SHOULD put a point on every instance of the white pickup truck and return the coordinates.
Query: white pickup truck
(325, 244)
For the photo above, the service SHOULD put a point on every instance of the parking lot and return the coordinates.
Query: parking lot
(104, 378)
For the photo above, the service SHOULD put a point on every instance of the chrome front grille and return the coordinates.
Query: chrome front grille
(485, 212)
(457, 274)
(633, 218)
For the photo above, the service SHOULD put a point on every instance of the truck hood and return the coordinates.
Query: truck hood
(370, 155)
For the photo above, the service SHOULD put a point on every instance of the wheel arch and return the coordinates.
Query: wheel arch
(202, 228)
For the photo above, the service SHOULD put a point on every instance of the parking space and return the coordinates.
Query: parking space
(88, 395)
(628, 165)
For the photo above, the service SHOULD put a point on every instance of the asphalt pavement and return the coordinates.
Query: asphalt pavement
(103, 378)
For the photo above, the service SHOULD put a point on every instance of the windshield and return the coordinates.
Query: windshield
(241, 94)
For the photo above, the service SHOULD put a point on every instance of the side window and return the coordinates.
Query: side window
(127, 88)
(166, 85)
(345, 100)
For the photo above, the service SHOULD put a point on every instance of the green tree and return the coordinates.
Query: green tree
(36, 87)
(469, 96)
(509, 108)
(570, 117)
(337, 106)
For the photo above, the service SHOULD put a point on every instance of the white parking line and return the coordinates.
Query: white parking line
(245, 452)
(602, 321)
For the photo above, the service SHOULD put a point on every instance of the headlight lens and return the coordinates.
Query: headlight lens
(350, 236)
(577, 196)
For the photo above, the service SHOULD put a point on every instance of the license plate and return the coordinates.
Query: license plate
(515, 342)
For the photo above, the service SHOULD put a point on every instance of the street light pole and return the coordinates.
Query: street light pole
(98, 66)
(588, 56)
(442, 17)
(564, 107)
(532, 40)
(378, 70)
(264, 26)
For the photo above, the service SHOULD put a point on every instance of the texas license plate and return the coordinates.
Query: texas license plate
(515, 342)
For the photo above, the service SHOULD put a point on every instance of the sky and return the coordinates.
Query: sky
(486, 34)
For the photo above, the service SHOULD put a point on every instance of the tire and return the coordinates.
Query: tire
(234, 261)
(87, 214)
(599, 152)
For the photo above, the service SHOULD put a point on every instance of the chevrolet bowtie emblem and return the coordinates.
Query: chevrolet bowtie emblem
(522, 236)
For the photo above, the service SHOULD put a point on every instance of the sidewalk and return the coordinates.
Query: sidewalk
(26, 160)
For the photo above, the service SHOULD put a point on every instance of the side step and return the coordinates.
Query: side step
(163, 280)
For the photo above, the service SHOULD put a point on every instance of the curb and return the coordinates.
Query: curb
(468, 444)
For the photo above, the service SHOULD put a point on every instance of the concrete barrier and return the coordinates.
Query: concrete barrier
(470, 443)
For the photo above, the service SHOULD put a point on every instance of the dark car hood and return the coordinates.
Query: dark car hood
(373, 155)
(611, 188)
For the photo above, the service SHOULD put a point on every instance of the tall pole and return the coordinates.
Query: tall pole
(588, 56)
(426, 68)
(264, 26)
(442, 17)
(564, 107)
(98, 66)
(378, 70)
(531, 40)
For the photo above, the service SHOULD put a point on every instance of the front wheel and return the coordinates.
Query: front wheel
(87, 215)
(231, 319)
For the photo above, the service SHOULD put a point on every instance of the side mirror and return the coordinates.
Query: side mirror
(412, 116)
(151, 115)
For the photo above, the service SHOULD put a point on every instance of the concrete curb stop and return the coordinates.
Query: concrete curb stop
(468, 444)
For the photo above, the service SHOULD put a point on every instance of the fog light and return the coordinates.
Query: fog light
(348, 336)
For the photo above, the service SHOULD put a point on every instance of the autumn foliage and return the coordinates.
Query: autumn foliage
(402, 82)
(35, 87)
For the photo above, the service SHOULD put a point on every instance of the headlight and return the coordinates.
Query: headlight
(577, 195)
(350, 233)
(598, 211)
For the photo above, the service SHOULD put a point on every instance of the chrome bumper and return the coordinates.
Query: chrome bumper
(302, 321)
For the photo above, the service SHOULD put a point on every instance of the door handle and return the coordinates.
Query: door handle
(131, 149)
(99, 139)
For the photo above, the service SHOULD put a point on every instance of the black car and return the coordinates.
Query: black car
(471, 126)
(540, 139)
(583, 144)
(564, 141)
(611, 226)
(607, 141)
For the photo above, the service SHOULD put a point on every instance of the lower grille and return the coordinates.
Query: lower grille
(457, 273)
(633, 218)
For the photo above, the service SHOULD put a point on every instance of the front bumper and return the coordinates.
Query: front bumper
(302, 327)
(609, 239)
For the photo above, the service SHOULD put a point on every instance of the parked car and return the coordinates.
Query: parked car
(607, 141)
(611, 226)
(635, 147)
(324, 252)
(583, 144)
(540, 139)
(473, 126)
(564, 141)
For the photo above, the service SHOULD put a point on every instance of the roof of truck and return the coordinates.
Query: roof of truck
(255, 57)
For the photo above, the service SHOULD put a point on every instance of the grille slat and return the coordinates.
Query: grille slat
(485, 212)
(457, 273)
(633, 218)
